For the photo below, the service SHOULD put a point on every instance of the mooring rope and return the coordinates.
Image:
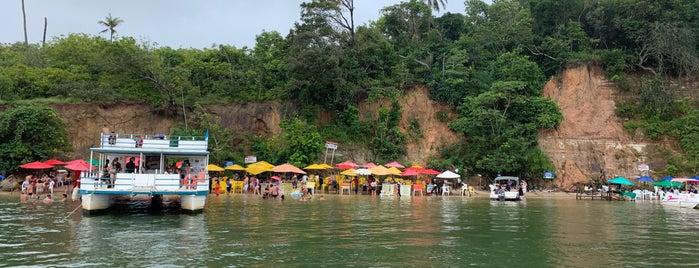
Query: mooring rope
(71, 213)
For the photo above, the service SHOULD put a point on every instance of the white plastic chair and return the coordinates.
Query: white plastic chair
(445, 189)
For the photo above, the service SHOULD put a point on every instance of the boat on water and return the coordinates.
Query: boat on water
(151, 177)
(505, 188)
(684, 200)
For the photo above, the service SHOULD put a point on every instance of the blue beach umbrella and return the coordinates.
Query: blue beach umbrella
(667, 178)
(644, 179)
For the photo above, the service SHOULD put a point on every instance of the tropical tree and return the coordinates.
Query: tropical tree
(29, 133)
(111, 23)
(435, 4)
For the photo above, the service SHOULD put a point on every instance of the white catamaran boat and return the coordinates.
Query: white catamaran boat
(151, 178)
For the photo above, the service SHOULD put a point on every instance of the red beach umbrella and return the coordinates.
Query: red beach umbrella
(80, 166)
(346, 165)
(409, 172)
(430, 171)
(36, 165)
(54, 162)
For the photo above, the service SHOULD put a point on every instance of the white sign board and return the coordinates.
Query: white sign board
(643, 167)
(331, 145)
(250, 159)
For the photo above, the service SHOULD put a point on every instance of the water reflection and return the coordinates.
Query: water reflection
(244, 230)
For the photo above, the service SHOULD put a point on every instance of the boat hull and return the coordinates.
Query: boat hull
(93, 203)
(681, 200)
(506, 196)
(193, 203)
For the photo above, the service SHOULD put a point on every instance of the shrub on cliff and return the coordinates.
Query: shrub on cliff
(30, 133)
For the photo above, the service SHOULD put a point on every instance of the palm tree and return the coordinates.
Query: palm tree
(435, 4)
(110, 23)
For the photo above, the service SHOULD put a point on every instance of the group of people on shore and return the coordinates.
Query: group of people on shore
(34, 188)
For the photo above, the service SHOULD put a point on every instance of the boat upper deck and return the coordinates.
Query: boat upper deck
(159, 143)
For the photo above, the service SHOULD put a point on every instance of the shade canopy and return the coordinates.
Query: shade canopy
(284, 168)
(668, 184)
(409, 172)
(394, 164)
(259, 167)
(235, 167)
(448, 175)
(317, 167)
(644, 179)
(666, 178)
(254, 170)
(276, 178)
(395, 171)
(350, 172)
(81, 165)
(54, 162)
(430, 171)
(684, 180)
(369, 165)
(346, 165)
(620, 180)
(380, 171)
(214, 167)
(362, 171)
(36, 165)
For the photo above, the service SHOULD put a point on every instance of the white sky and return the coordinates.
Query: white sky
(173, 23)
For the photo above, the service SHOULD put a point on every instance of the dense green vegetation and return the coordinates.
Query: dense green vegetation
(489, 64)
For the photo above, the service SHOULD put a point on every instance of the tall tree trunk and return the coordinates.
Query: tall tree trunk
(26, 40)
(46, 24)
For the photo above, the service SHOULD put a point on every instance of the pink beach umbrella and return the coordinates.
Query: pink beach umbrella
(394, 164)
(369, 165)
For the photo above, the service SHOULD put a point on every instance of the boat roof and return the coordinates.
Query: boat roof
(149, 151)
(507, 178)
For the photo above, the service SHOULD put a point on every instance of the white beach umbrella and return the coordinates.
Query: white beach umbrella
(363, 171)
(448, 175)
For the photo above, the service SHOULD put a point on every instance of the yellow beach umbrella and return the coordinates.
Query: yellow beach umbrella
(394, 171)
(317, 167)
(235, 167)
(350, 172)
(214, 167)
(263, 165)
(380, 171)
(326, 166)
(254, 170)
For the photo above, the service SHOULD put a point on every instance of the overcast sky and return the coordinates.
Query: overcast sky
(174, 23)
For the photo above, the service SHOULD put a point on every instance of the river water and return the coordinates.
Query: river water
(362, 231)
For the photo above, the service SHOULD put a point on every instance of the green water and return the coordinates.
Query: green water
(361, 231)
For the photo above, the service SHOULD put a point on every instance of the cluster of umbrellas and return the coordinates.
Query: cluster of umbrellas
(668, 181)
(76, 165)
(349, 169)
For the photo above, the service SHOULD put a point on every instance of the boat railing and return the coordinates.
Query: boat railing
(144, 182)
(161, 141)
